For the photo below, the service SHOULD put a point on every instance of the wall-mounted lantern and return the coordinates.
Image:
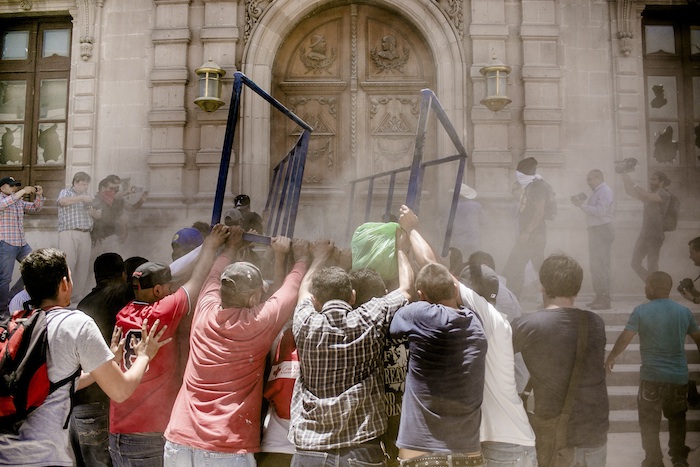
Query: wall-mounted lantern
(495, 74)
(209, 96)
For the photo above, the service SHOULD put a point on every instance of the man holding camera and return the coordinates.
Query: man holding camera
(13, 244)
(599, 216)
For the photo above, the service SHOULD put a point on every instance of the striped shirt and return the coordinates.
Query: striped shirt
(338, 400)
(74, 216)
(12, 217)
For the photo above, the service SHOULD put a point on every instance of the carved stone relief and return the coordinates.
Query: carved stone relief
(453, 11)
(388, 57)
(321, 164)
(624, 25)
(253, 11)
(393, 137)
(318, 59)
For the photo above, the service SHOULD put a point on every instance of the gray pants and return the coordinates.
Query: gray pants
(600, 239)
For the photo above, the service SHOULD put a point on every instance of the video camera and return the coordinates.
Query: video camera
(625, 165)
(686, 284)
(579, 197)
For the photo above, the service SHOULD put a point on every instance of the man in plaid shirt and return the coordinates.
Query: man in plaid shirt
(75, 214)
(338, 407)
(13, 245)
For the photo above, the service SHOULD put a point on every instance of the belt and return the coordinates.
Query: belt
(444, 460)
(82, 230)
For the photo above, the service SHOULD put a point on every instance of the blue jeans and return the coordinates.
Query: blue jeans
(508, 455)
(177, 455)
(671, 399)
(89, 434)
(8, 255)
(368, 454)
(136, 449)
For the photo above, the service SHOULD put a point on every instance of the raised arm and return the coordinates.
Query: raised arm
(321, 251)
(636, 191)
(280, 247)
(214, 240)
(422, 251)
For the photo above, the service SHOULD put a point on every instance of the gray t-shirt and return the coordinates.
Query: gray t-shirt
(74, 341)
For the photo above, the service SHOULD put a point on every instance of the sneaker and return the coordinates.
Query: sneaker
(600, 306)
(593, 302)
(680, 464)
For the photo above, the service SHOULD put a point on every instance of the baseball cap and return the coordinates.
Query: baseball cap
(233, 217)
(188, 237)
(486, 285)
(10, 181)
(150, 274)
(242, 277)
(527, 166)
(241, 200)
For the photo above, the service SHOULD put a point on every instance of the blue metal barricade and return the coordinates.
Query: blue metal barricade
(283, 197)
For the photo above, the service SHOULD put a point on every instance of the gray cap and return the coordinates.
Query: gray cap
(242, 277)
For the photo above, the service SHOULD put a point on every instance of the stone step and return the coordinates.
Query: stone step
(627, 421)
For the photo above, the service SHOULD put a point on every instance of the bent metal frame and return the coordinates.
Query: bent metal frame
(285, 189)
(417, 169)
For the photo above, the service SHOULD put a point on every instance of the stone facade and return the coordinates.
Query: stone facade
(577, 90)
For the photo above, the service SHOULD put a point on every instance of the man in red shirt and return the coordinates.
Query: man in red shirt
(136, 425)
(216, 417)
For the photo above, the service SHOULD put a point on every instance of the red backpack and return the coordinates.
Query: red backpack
(24, 378)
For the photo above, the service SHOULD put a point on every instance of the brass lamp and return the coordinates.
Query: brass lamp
(496, 74)
(209, 96)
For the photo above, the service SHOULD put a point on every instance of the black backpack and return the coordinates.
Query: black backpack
(671, 214)
(24, 377)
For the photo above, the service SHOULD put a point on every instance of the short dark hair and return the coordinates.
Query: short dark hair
(561, 276)
(331, 283)
(663, 178)
(481, 257)
(80, 177)
(108, 266)
(130, 265)
(42, 272)
(368, 284)
(107, 180)
(436, 282)
(695, 244)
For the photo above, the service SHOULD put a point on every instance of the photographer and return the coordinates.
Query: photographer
(687, 287)
(651, 237)
(13, 244)
(599, 216)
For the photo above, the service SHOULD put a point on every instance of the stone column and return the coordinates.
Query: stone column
(491, 156)
(219, 36)
(168, 116)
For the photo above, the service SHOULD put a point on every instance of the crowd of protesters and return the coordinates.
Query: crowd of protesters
(293, 355)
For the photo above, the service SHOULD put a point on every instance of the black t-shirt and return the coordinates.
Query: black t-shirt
(547, 340)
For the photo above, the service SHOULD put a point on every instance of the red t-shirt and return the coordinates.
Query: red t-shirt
(148, 409)
(218, 407)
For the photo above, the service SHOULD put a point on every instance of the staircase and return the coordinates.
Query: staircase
(623, 382)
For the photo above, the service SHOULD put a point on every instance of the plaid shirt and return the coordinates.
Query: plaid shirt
(338, 399)
(12, 217)
(74, 216)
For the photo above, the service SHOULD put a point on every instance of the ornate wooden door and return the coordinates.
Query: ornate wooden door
(354, 73)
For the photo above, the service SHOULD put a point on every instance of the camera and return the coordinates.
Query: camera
(625, 165)
(579, 197)
(686, 284)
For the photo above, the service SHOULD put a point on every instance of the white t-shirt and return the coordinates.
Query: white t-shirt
(503, 417)
(74, 341)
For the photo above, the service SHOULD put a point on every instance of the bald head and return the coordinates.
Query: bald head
(658, 285)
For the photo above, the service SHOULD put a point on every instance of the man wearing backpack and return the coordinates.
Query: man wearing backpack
(532, 229)
(74, 342)
(656, 202)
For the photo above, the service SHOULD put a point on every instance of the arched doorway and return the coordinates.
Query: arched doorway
(361, 109)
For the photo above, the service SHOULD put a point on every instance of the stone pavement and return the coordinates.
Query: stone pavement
(625, 449)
